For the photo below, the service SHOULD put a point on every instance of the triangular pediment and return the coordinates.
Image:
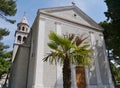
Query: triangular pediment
(73, 14)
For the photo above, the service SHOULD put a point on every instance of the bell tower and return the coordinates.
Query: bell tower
(22, 31)
(20, 34)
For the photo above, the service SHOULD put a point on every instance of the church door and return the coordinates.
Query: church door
(80, 77)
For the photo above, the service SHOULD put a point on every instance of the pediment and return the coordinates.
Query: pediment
(71, 13)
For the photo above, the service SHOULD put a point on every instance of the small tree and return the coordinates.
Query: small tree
(68, 50)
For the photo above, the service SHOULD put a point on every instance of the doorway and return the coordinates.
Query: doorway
(80, 77)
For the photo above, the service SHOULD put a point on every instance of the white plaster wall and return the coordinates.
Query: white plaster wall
(32, 60)
(59, 67)
(39, 55)
(63, 28)
(67, 28)
(52, 77)
(42, 78)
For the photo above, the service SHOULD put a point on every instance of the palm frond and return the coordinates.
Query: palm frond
(69, 45)
(53, 45)
(79, 40)
(56, 38)
(60, 41)
(80, 55)
(68, 49)
(54, 57)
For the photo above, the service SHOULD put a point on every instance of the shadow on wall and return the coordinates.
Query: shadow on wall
(103, 62)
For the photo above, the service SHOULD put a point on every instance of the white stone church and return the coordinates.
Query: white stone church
(28, 69)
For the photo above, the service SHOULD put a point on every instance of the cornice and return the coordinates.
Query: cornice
(23, 24)
(70, 21)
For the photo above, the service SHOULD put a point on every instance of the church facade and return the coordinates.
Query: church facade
(28, 69)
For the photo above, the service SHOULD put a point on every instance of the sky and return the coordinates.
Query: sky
(93, 8)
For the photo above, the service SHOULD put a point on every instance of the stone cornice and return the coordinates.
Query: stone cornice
(70, 21)
(17, 31)
(23, 24)
(22, 45)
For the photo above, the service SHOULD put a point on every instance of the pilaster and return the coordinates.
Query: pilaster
(59, 67)
(40, 55)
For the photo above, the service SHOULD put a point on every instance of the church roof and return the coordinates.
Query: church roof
(24, 20)
(78, 11)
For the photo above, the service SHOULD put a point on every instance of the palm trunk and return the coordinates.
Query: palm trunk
(66, 73)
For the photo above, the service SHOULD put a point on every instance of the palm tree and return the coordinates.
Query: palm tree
(66, 50)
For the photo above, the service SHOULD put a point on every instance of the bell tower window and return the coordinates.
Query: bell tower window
(19, 39)
(24, 38)
(23, 28)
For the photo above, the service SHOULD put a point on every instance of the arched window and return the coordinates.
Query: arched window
(19, 39)
(23, 28)
(24, 38)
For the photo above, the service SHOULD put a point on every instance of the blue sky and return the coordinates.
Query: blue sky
(93, 8)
